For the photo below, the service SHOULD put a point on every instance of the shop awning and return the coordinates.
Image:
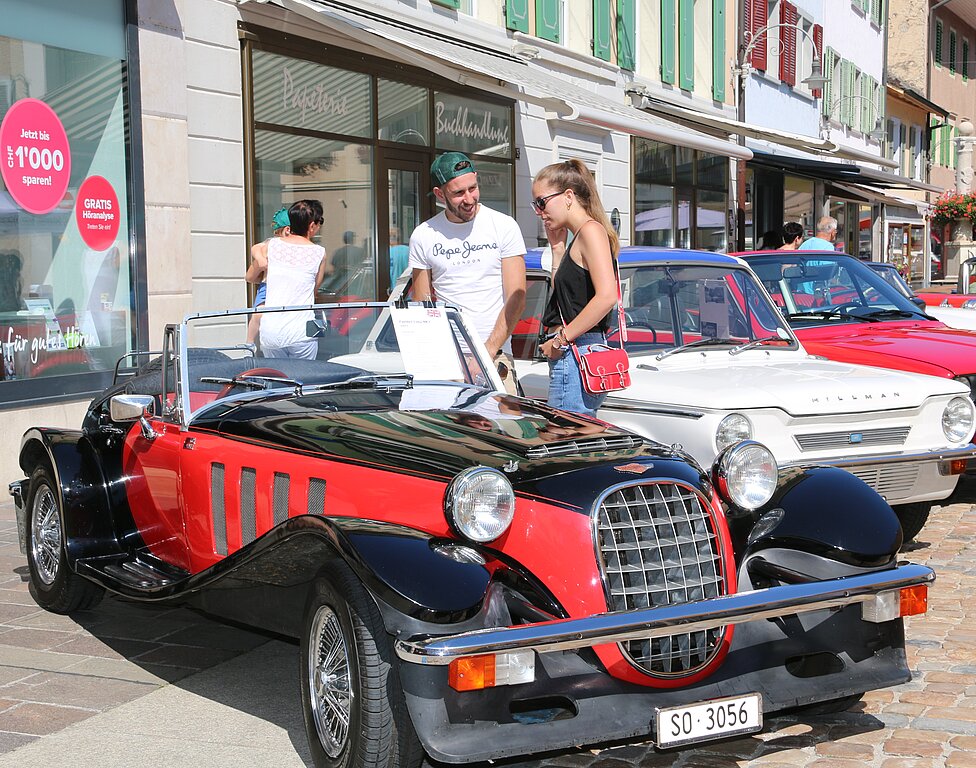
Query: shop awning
(818, 168)
(500, 71)
(907, 207)
(783, 138)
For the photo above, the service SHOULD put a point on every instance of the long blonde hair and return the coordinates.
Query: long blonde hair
(572, 174)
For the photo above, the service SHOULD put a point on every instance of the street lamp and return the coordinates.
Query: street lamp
(741, 69)
(877, 133)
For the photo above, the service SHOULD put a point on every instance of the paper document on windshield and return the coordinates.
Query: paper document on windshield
(427, 343)
(714, 316)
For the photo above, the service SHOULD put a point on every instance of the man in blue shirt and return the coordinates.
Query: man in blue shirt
(826, 232)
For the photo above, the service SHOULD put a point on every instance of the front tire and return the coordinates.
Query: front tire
(355, 713)
(912, 517)
(53, 585)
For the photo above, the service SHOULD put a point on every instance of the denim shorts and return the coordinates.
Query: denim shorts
(261, 294)
(566, 383)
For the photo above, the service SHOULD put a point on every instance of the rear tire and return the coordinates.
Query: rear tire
(355, 712)
(912, 517)
(53, 585)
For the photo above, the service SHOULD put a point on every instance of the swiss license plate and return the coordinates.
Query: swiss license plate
(706, 720)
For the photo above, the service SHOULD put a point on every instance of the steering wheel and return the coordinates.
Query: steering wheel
(841, 309)
(237, 382)
(637, 319)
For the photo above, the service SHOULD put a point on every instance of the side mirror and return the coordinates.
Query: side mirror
(316, 329)
(127, 408)
(918, 302)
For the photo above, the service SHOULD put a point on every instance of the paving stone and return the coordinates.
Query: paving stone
(76, 690)
(11, 741)
(908, 746)
(845, 750)
(40, 719)
(39, 639)
(961, 759)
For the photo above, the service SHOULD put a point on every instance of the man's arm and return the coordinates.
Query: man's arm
(513, 290)
(422, 289)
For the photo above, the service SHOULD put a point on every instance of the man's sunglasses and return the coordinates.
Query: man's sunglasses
(539, 203)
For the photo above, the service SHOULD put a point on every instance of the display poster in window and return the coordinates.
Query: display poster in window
(713, 300)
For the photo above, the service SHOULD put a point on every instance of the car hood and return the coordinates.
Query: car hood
(933, 343)
(801, 386)
(435, 430)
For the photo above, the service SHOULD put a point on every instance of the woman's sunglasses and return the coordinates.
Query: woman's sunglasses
(539, 203)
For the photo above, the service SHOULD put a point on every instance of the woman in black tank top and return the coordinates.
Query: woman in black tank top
(584, 286)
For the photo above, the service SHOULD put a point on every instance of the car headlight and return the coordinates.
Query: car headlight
(480, 504)
(746, 475)
(958, 419)
(733, 429)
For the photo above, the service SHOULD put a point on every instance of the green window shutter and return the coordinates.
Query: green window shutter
(877, 11)
(829, 96)
(517, 15)
(955, 148)
(853, 76)
(627, 34)
(667, 40)
(952, 51)
(602, 42)
(864, 103)
(845, 103)
(937, 52)
(686, 44)
(964, 65)
(718, 50)
(455, 4)
(548, 15)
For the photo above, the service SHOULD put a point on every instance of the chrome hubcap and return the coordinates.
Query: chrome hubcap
(328, 682)
(46, 535)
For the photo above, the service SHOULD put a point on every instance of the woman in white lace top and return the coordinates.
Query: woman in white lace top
(294, 267)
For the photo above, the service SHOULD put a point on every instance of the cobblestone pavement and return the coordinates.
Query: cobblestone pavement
(57, 671)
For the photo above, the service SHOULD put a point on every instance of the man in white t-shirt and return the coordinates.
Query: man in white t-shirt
(473, 257)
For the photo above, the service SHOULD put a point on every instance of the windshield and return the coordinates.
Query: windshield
(820, 289)
(365, 345)
(695, 306)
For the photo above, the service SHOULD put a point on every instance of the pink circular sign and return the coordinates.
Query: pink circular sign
(35, 159)
(97, 213)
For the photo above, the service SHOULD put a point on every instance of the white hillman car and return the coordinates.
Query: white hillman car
(713, 362)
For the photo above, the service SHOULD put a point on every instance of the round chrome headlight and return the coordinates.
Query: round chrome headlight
(733, 429)
(746, 475)
(958, 419)
(480, 504)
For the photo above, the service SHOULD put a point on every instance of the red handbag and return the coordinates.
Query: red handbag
(606, 369)
(603, 370)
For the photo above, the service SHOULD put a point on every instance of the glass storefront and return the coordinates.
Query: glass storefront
(361, 143)
(680, 197)
(66, 269)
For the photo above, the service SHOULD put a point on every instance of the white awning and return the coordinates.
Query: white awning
(826, 148)
(501, 72)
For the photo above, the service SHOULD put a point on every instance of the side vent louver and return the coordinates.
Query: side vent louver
(217, 512)
(248, 505)
(279, 497)
(316, 496)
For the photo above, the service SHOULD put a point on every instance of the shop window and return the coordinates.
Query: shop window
(340, 175)
(313, 97)
(66, 289)
(402, 112)
(680, 197)
(472, 126)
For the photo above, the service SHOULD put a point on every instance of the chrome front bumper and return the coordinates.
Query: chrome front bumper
(569, 634)
(937, 455)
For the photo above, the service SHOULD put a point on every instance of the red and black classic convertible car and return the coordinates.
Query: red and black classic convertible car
(471, 575)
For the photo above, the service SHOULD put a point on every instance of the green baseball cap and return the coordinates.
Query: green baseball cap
(449, 166)
(280, 219)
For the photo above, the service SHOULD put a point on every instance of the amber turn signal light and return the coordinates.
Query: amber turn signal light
(914, 600)
(472, 673)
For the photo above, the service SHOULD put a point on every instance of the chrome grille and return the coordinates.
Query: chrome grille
(889, 479)
(248, 505)
(842, 439)
(217, 508)
(659, 548)
(316, 496)
(578, 447)
(279, 497)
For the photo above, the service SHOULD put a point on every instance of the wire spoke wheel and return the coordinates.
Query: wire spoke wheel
(329, 692)
(46, 539)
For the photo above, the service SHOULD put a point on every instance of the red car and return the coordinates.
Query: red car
(843, 310)
(964, 294)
